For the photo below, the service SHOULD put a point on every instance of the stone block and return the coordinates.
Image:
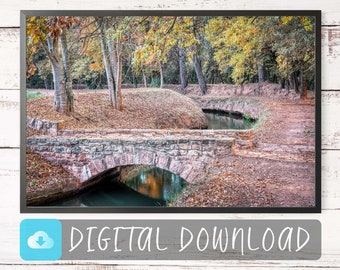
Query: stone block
(162, 161)
(184, 146)
(99, 164)
(152, 143)
(85, 174)
(129, 158)
(182, 152)
(59, 149)
(174, 166)
(185, 141)
(82, 158)
(174, 153)
(196, 145)
(147, 158)
(192, 177)
(53, 131)
(194, 153)
(137, 157)
(208, 148)
(31, 141)
(38, 125)
(123, 159)
(76, 149)
(42, 148)
(128, 149)
(186, 171)
(84, 142)
(93, 170)
(98, 155)
(42, 141)
(74, 141)
(116, 159)
(110, 163)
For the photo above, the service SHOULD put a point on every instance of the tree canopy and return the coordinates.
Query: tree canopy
(143, 50)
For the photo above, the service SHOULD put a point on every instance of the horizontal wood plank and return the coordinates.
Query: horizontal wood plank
(10, 13)
(330, 58)
(9, 58)
(176, 265)
(142, 266)
(9, 118)
(330, 123)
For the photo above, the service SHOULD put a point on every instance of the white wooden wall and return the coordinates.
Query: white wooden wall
(9, 136)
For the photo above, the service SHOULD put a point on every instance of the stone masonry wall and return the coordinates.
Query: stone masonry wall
(44, 126)
(87, 157)
(244, 106)
(243, 138)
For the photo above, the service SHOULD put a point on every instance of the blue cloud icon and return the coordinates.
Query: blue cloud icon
(40, 240)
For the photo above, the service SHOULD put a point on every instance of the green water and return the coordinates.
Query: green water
(223, 120)
(151, 187)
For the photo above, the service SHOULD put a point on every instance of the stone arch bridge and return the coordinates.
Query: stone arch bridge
(87, 154)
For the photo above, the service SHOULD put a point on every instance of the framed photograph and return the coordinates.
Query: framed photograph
(170, 111)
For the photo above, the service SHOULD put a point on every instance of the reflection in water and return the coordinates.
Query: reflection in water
(151, 187)
(222, 120)
(157, 183)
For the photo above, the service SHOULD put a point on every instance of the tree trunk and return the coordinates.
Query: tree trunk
(199, 75)
(144, 80)
(107, 64)
(67, 74)
(115, 60)
(119, 98)
(46, 85)
(59, 86)
(161, 74)
(303, 86)
(241, 89)
(134, 81)
(182, 70)
(112, 53)
(295, 82)
(262, 73)
(282, 83)
(60, 101)
(287, 85)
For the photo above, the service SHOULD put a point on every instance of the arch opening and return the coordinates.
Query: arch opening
(129, 185)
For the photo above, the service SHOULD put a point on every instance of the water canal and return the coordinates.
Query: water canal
(225, 120)
(150, 186)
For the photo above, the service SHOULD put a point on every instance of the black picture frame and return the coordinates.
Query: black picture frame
(39, 209)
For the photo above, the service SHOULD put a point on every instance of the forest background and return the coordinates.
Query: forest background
(69, 52)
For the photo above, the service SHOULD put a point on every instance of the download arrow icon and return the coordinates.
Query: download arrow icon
(40, 240)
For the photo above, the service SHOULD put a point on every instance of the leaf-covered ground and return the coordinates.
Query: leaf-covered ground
(277, 172)
(237, 181)
(143, 108)
(44, 179)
